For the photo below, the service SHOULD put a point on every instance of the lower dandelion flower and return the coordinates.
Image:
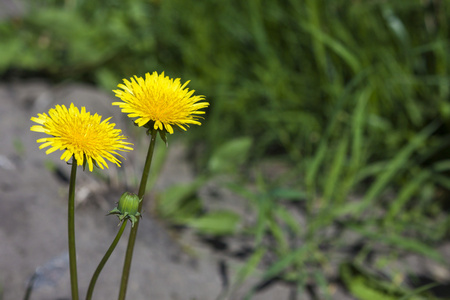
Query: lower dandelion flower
(160, 101)
(83, 136)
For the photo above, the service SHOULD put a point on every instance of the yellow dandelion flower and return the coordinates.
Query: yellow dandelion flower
(82, 135)
(161, 100)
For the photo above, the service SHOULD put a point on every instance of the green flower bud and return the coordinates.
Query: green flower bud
(128, 203)
(127, 208)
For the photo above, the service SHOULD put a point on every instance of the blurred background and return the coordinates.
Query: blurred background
(324, 154)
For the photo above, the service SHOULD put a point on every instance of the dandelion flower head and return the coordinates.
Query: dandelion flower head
(82, 135)
(160, 100)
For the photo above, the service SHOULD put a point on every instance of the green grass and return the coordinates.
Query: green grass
(352, 95)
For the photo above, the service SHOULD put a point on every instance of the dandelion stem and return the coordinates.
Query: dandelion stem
(104, 260)
(133, 232)
(71, 232)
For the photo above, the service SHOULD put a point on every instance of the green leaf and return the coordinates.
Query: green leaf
(398, 163)
(179, 201)
(314, 165)
(339, 48)
(361, 285)
(442, 166)
(406, 193)
(251, 265)
(230, 155)
(335, 171)
(419, 290)
(358, 124)
(400, 242)
(289, 194)
(298, 255)
(292, 222)
(216, 223)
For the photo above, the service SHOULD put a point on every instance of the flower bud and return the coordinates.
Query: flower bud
(127, 208)
(128, 203)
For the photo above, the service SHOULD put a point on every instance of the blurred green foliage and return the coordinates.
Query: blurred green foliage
(353, 94)
(269, 68)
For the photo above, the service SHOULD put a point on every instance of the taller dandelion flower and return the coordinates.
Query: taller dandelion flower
(160, 101)
(83, 136)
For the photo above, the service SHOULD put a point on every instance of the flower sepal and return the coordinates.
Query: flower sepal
(162, 134)
(85, 161)
(127, 208)
(150, 125)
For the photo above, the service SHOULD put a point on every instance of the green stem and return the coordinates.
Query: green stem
(30, 287)
(133, 232)
(104, 260)
(71, 232)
